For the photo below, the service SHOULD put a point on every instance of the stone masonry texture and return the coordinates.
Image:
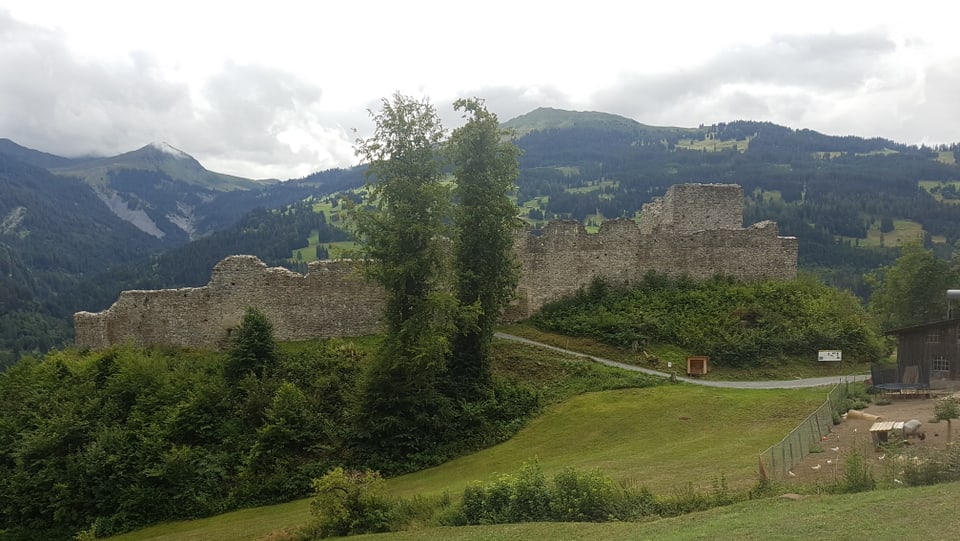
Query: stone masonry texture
(695, 230)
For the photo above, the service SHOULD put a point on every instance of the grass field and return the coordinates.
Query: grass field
(883, 515)
(593, 186)
(903, 231)
(888, 515)
(930, 185)
(713, 145)
(662, 438)
(947, 157)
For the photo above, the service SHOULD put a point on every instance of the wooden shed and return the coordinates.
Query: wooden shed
(928, 353)
(697, 365)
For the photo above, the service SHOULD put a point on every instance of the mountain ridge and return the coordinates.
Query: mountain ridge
(844, 197)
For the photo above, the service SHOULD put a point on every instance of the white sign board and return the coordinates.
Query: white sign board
(829, 355)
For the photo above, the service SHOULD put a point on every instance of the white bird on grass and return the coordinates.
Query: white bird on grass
(817, 467)
(834, 449)
(791, 473)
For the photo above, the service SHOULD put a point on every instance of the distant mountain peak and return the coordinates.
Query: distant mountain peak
(167, 148)
(546, 118)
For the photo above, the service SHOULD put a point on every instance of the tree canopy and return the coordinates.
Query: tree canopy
(485, 168)
(913, 290)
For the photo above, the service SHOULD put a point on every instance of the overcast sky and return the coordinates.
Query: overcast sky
(276, 88)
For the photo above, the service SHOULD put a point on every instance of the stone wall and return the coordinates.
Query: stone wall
(331, 299)
(686, 208)
(695, 229)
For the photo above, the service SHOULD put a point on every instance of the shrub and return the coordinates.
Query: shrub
(530, 497)
(582, 496)
(351, 503)
(857, 476)
(632, 501)
(685, 499)
(931, 467)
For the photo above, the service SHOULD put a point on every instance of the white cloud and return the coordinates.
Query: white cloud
(276, 89)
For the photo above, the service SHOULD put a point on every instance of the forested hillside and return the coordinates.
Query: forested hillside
(845, 198)
(63, 249)
(851, 201)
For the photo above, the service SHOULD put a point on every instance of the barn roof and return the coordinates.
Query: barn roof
(918, 328)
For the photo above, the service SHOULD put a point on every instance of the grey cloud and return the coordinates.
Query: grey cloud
(932, 114)
(508, 102)
(59, 103)
(818, 64)
(250, 109)
(242, 106)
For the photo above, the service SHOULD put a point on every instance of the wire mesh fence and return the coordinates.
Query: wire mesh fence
(779, 458)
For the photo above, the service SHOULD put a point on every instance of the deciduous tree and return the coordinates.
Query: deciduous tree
(913, 290)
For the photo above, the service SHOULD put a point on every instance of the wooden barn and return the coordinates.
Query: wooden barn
(927, 354)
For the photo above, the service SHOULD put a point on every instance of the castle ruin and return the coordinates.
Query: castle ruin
(695, 230)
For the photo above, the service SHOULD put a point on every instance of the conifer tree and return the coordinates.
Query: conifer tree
(485, 167)
(403, 414)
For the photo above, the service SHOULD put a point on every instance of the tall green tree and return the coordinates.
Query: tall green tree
(403, 414)
(486, 167)
(912, 291)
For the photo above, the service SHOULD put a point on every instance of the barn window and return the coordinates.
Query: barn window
(940, 364)
(934, 336)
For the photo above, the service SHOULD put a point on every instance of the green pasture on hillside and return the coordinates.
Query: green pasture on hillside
(947, 157)
(880, 515)
(713, 145)
(593, 186)
(884, 152)
(904, 231)
(665, 438)
(930, 185)
(768, 195)
(659, 437)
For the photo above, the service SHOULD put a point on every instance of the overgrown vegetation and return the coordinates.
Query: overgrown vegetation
(108, 441)
(355, 502)
(735, 323)
(430, 376)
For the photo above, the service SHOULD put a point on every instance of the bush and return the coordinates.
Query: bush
(351, 503)
(857, 476)
(736, 323)
(931, 467)
(524, 497)
(583, 496)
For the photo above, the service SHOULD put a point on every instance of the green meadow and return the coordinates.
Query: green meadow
(665, 438)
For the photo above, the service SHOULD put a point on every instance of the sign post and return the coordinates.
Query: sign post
(829, 355)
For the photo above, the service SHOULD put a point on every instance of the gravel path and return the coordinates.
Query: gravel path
(783, 384)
